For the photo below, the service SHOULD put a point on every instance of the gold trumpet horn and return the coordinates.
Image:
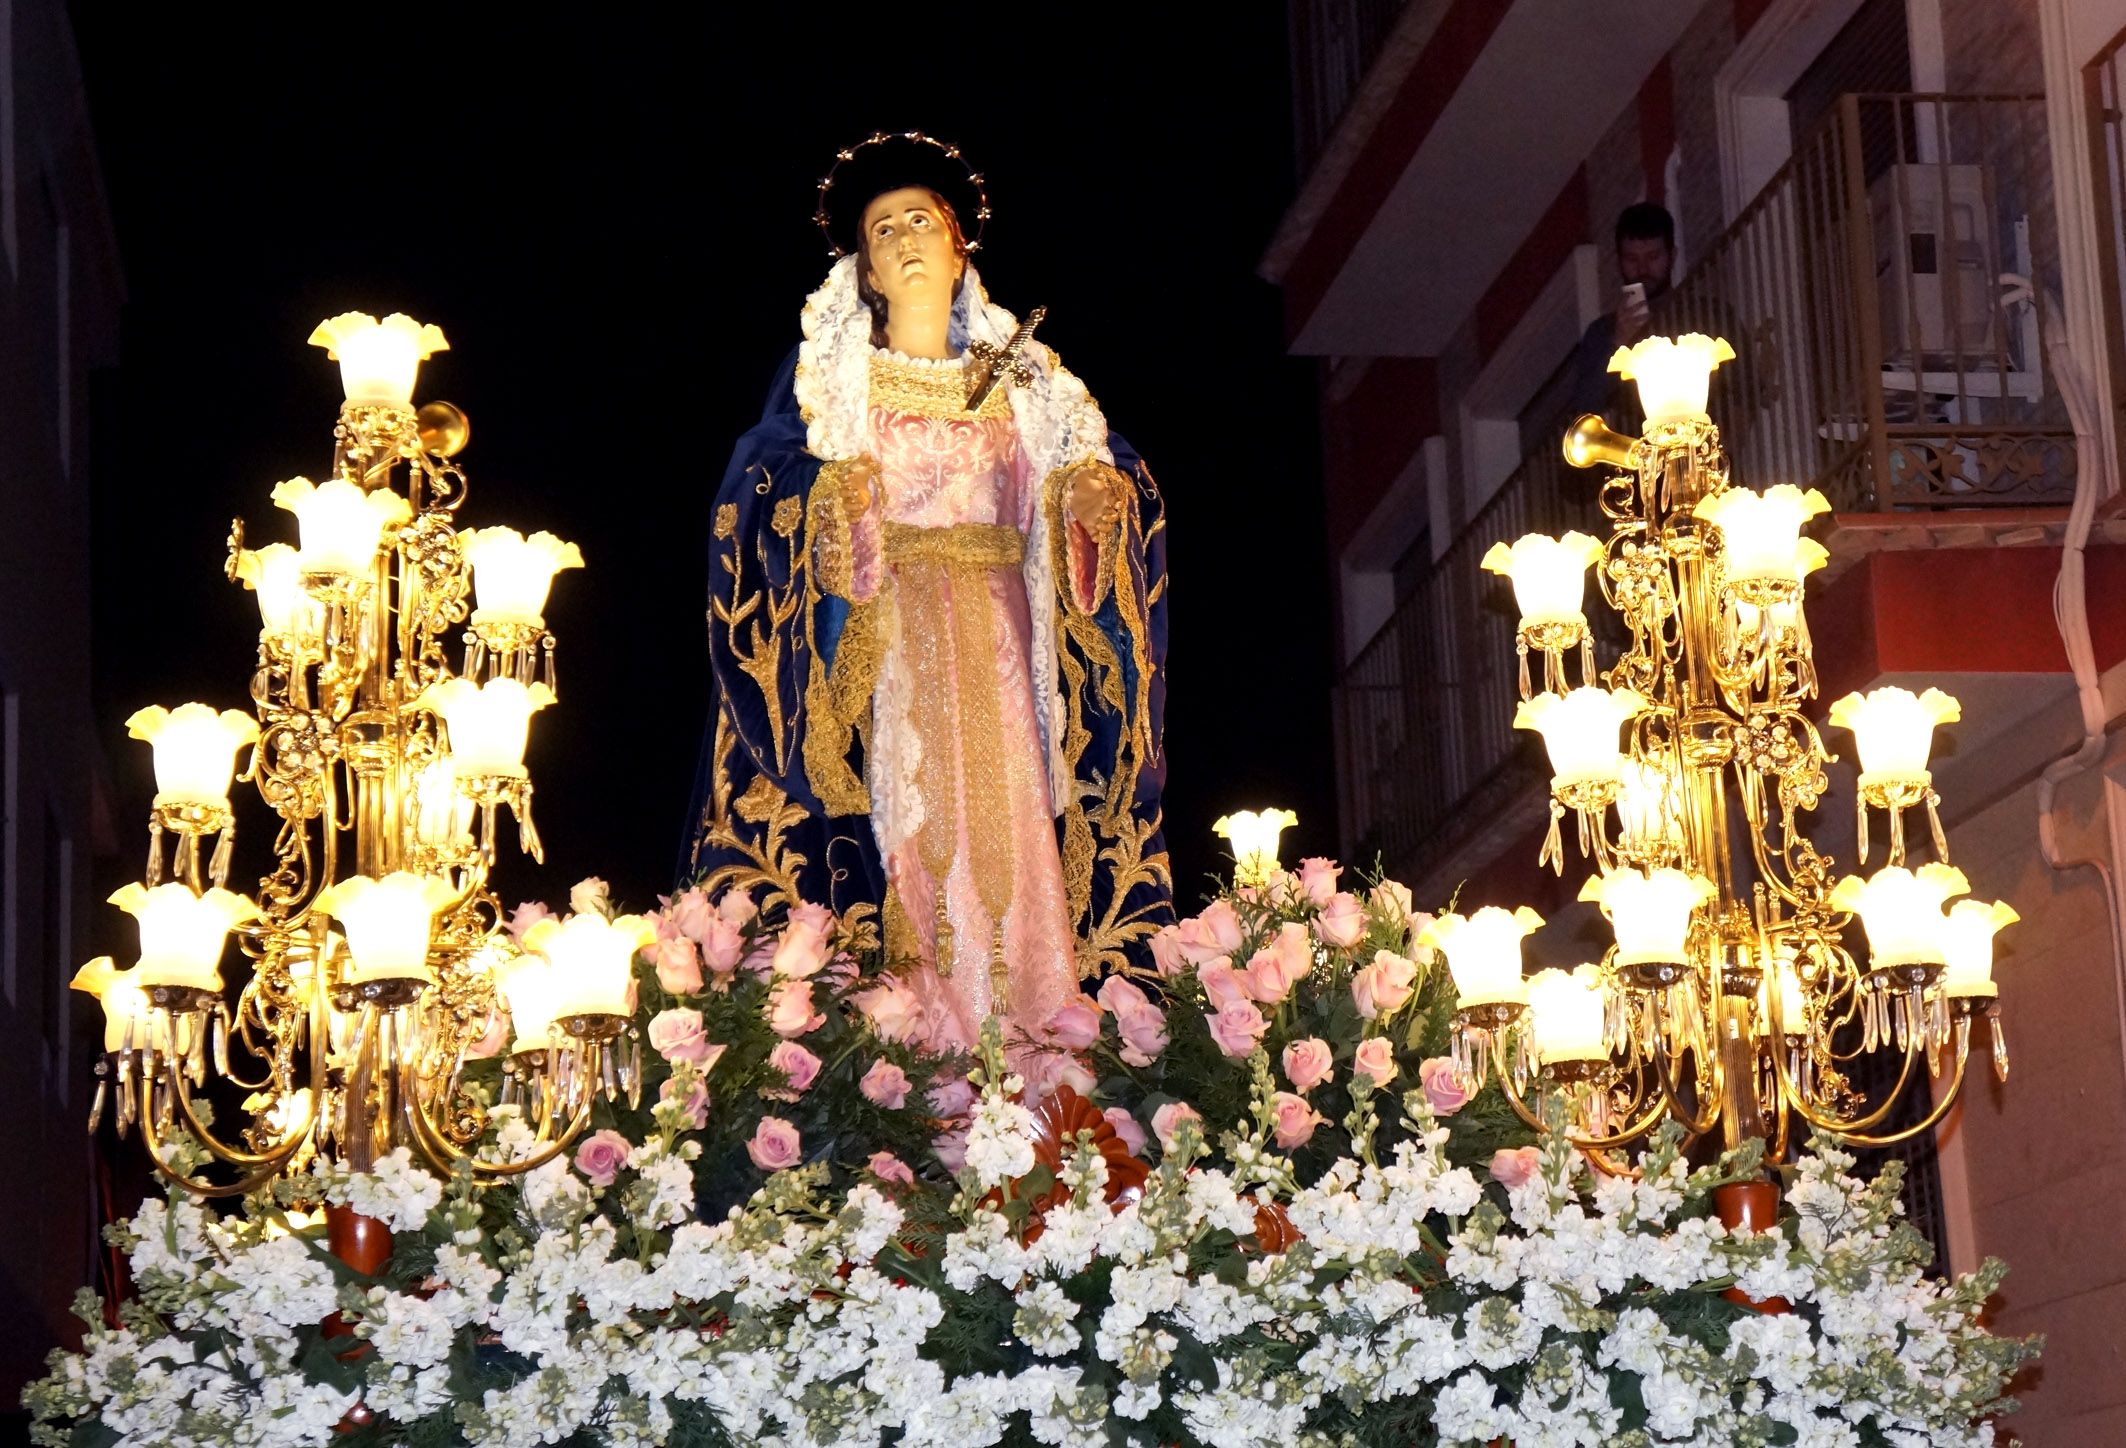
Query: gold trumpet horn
(1591, 442)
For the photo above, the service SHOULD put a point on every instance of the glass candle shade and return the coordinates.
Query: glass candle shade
(1649, 810)
(286, 611)
(129, 1022)
(488, 723)
(340, 526)
(1483, 953)
(512, 574)
(593, 960)
(1893, 729)
(379, 360)
(1579, 730)
(1784, 979)
(1901, 911)
(1761, 533)
(195, 752)
(1968, 945)
(182, 935)
(527, 986)
(1568, 1012)
(442, 816)
(388, 923)
(1673, 374)
(1549, 577)
(1253, 836)
(1650, 912)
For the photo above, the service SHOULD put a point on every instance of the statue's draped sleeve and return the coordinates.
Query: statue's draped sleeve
(797, 624)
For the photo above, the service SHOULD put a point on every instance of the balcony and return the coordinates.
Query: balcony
(1334, 43)
(1883, 294)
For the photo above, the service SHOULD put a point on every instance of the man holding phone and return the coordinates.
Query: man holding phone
(1646, 254)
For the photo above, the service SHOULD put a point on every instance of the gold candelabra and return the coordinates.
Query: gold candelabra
(378, 965)
(1730, 998)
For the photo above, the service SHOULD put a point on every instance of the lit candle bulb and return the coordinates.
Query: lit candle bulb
(340, 526)
(388, 923)
(1650, 911)
(1783, 981)
(1901, 911)
(182, 935)
(593, 961)
(379, 360)
(286, 611)
(1761, 533)
(1253, 836)
(1483, 953)
(1568, 1013)
(129, 1022)
(488, 723)
(195, 752)
(1648, 813)
(442, 816)
(1579, 730)
(1968, 945)
(527, 985)
(1674, 374)
(512, 574)
(1549, 577)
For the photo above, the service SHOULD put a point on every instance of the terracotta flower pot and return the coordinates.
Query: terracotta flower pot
(1755, 1206)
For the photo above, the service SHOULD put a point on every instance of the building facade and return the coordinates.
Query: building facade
(1908, 217)
(60, 286)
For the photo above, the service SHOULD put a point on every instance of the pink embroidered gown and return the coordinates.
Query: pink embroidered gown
(956, 767)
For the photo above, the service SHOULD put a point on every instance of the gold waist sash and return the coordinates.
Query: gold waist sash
(960, 546)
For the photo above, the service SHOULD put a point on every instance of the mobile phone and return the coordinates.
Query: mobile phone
(1635, 293)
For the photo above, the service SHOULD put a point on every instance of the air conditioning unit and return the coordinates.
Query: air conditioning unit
(1936, 274)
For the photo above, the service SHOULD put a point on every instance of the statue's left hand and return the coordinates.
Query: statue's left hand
(1093, 498)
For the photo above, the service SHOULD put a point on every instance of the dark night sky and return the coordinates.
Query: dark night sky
(609, 218)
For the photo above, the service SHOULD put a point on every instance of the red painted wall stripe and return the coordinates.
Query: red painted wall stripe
(1438, 73)
(1532, 265)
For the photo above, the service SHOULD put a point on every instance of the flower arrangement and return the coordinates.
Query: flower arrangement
(1244, 1203)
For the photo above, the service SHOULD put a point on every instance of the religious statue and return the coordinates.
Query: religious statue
(937, 625)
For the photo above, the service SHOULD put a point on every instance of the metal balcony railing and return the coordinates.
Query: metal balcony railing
(1885, 293)
(1334, 43)
(1882, 295)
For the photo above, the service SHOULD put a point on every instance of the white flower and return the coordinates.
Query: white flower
(395, 1190)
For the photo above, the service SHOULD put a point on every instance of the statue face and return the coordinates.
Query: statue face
(908, 244)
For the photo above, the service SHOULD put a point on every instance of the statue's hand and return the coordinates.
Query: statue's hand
(1093, 498)
(859, 487)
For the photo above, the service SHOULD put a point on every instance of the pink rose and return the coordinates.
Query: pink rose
(1166, 951)
(1126, 1127)
(1119, 993)
(790, 1008)
(885, 1084)
(1376, 1059)
(601, 1156)
(801, 951)
(497, 1038)
(1292, 1120)
(1237, 1027)
(1317, 879)
(677, 1035)
(1392, 899)
(1446, 1094)
(1417, 926)
(1280, 965)
(894, 1012)
(775, 1145)
(889, 1168)
(525, 916)
(690, 913)
(1383, 987)
(591, 896)
(678, 963)
(800, 1068)
(736, 907)
(951, 1099)
(817, 918)
(840, 974)
(1222, 984)
(1342, 921)
(1308, 1063)
(1214, 933)
(1143, 1032)
(1077, 1077)
(951, 1149)
(693, 1107)
(1168, 1118)
(1516, 1166)
(721, 944)
(1075, 1026)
